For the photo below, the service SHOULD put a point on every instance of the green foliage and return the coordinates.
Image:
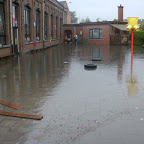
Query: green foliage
(74, 18)
(98, 20)
(85, 20)
(82, 20)
(138, 38)
(115, 20)
(142, 26)
(104, 20)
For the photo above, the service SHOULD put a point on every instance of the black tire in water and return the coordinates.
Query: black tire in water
(90, 66)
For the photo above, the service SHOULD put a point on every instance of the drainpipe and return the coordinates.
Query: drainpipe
(43, 22)
(11, 25)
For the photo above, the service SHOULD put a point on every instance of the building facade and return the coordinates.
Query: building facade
(100, 33)
(29, 25)
(67, 14)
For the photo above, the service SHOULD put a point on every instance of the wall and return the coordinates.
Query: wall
(105, 34)
(68, 15)
(122, 38)
(50, 9)
(76, 29)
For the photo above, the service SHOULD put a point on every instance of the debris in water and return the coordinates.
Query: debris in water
(10, 105)
(36, 117)
(65, 62)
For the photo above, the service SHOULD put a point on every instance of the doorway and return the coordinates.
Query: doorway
(68, 36)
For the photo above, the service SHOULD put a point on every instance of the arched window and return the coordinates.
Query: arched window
(37, 25)
(2, 24)
(45, 25)
(60, 27)
(117, 32)
(57, 27)
(95, 33)
(15, 15)
(27, 23)
(52, 26)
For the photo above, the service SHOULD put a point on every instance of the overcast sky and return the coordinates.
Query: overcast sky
(106, 9)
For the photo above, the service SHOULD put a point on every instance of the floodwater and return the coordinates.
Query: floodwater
(79, 106)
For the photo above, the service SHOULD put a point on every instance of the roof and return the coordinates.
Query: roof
(97, 23)
(57, 3)
(120, 26)
(62, 2)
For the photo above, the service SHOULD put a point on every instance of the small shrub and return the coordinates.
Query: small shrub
(138, 38)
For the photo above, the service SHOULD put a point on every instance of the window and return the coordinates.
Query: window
(45, 25)
(95, 33)
(2, 25)
(15, 20)
(56, 27)
(37, 25)
(60, 28)
(117, 31)
(52, 26)
(27, 23)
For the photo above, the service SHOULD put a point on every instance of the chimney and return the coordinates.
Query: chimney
(120, 13)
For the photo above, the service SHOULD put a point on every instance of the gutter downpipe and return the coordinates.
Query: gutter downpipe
(11, 25)
(43, 23)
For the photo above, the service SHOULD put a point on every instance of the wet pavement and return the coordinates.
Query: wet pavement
(79, 106)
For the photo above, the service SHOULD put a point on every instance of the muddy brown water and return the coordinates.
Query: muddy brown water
(79, 106)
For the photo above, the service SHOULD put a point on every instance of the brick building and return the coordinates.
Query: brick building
(67, 14)
(30, 25)
(100, 33)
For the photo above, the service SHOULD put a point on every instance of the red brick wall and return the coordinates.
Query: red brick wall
(85, 33)
(105, 34)
(5, 52)
(67, 15)
(50, 8)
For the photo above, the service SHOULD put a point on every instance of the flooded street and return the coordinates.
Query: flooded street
(79, 106)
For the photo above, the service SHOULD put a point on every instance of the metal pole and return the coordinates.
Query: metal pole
(132, 39)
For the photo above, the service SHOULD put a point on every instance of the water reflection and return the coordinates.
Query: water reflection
(132, 82)
(71, 99)
(26, 75)
(97, 53)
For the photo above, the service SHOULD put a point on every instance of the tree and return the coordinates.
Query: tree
(142, 27)
(98, 20)
(74, 19)
(104, 20)
(87, 20)
(115, 20)
(82, 20)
